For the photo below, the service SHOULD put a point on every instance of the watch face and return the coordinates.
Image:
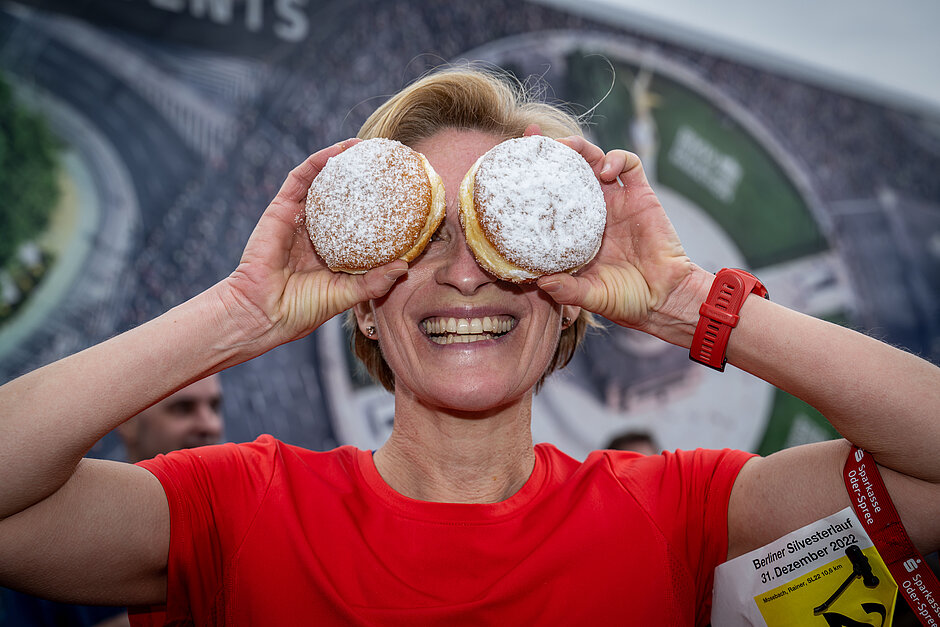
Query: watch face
(736, 199)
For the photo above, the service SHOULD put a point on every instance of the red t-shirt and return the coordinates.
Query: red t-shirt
(271, 534)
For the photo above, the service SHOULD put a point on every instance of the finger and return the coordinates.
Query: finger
(591, 153)
(377, 282)
(613, 166)
(563, 288)
(630, 171)
(298, 181)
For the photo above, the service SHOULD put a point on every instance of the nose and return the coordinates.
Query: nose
(209, 422)
(460, 269)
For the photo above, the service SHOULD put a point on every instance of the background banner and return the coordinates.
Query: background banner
(173, 123)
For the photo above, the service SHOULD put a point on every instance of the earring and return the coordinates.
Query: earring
(565, 322)
(370, 331)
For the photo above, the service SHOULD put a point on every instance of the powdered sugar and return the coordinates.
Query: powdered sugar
(368, 205)
(540, 204)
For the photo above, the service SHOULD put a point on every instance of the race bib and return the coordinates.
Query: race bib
(827, 573)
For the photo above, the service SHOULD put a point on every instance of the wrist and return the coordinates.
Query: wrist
(239, 329)
(675, 320)
(719, 315)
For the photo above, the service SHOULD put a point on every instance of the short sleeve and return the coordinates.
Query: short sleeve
(213, 494)
(686, 494)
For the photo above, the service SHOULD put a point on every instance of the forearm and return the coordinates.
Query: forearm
(878, 397)
(51, 417)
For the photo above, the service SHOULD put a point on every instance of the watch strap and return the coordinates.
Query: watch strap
(718, 315)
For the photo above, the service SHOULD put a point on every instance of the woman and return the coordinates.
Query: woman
(457, 518)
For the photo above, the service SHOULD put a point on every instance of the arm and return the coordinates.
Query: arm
(878, 397)
(110, 521)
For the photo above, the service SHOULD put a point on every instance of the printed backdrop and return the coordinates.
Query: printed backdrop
(177, 120)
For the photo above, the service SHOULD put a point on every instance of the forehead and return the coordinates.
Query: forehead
(202, 390)
(453, 151)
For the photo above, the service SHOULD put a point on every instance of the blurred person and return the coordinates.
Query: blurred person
(185, 419)
(458, 518)
(637, 441)
(188, 418)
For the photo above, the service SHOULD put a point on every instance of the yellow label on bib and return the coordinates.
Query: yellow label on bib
(840, 593)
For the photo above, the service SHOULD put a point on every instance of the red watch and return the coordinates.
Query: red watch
(719, 315)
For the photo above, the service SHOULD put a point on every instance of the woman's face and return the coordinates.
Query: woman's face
(455, 336)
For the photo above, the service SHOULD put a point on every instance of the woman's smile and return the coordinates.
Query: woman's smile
(449, 330)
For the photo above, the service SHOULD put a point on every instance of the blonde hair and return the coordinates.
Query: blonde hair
(482, 99)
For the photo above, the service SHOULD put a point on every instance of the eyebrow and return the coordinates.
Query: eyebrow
(188, 398)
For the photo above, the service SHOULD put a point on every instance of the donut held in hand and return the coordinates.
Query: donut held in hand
(532, 206)
(374, 203)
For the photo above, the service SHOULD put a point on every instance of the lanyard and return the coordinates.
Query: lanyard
(879, 518)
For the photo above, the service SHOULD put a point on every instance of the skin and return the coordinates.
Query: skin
(462, 415)
(477, 393)
(185, 419)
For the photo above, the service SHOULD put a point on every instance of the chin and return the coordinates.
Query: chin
(473, 396)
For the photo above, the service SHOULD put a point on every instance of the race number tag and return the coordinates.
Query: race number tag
(827, 573)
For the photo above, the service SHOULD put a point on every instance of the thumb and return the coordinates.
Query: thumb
(563, 288)
(378, 281)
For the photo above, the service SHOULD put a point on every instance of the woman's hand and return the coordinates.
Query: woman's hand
(281, 289)
(641, 277)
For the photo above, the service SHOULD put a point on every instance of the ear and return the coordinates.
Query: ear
(365, 318)
(569, 313)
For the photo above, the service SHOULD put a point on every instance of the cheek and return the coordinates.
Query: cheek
(405, 289)
(389, 310)
(176, 426)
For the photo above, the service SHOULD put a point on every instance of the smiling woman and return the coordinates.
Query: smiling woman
(457, 519)
(496, 107)
(446, 282)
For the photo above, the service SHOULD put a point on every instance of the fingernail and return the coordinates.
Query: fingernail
(550, 286)
(393, 275)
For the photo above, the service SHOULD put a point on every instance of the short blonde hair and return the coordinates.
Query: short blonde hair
(482, 99)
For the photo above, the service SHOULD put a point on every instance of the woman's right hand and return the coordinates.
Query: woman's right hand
(281, 289)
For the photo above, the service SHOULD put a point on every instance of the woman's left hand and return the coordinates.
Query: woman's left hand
(641, 277)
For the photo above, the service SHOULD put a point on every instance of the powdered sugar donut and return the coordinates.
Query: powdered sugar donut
(532, 206)
(371, 204)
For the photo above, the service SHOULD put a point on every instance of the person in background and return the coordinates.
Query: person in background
(638, 441)
(185, 419)
(459, 518)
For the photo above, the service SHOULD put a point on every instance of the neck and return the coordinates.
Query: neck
(458, 457)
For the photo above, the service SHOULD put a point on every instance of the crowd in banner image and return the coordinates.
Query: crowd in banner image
(319, 95)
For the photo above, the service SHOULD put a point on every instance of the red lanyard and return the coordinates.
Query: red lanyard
(880, 519)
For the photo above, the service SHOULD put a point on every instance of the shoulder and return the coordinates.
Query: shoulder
(671, 477)
(696, 464)
(263, 451)
(647, 476)
(252, 465)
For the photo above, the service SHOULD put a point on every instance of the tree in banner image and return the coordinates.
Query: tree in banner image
(28, 195)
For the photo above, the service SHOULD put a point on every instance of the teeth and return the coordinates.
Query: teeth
(460, 339)
(461, 330)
